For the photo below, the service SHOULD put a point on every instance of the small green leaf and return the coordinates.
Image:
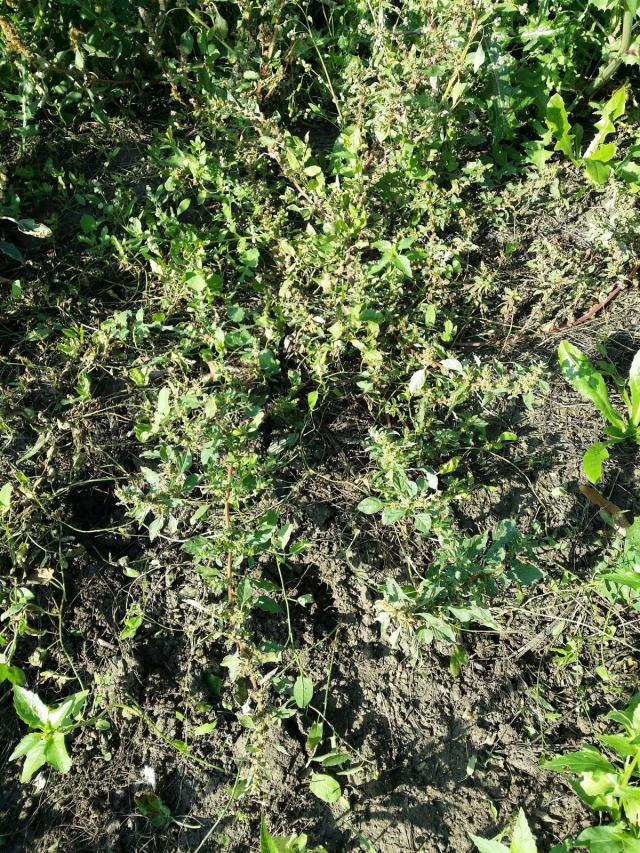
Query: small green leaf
(205, 728)
(155, 527)
(29, 707)
(268, 362)
(484, 845)
(402, 263)
(163, 406)
(138, 376)
(614, 838)
(5, 497)
(615, 106)
(597, 171)
(152, 807)
(12, 674)
(593, 459)
(423, 522)
(586, 760)
(303, 691)
(634, 388)
(325, 787)
(11, 251)
(522, 840)
(34, 759)
(184, 205)
(558, 123)
(624, 746)
(392, 514)
(370, 505)
(267, 841)
(26, 744)
(87, 223)
(582, 375)
(66, 712)
(55, 752)
(312, 399)
(315, 734)
(131, 625)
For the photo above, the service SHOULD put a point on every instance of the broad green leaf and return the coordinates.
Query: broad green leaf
(370, 505)
(131, 625)
(163, 406)
(587, 760)
(423, 522)
(484, 845)
(267, 841)
(457, 92)
(634, 388)
(593, 459)
(582, 375)
(325, 787)
(522, 840)
(26, 744)
(11, 251)
(558, 123)
(333, 759)
(12, 674)
(29, 707)
(268, 362)
(30, 227)
(205, 728)
(615, 106)
(474, 613)
(628, 578)
(303, 691)
(152, 807)
(630, 798)
(619, 743)
(155, 527)
(609, 839)
(55, 752)
(392, 514)
(5, 497)
(525, 573)
(605, 152)
(33, 761)
(402, 263)
(597, 171)
(65, 713)
(88, 223)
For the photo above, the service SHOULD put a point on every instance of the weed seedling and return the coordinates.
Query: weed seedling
(590, 384)
(45, 743)
(522, 840)
(609, 785)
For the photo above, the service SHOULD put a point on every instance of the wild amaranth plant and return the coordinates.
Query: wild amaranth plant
(45, 743)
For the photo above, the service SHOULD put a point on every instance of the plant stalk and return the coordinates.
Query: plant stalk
(612, 66)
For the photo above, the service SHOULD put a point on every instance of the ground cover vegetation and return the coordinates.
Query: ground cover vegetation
(312, 312)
